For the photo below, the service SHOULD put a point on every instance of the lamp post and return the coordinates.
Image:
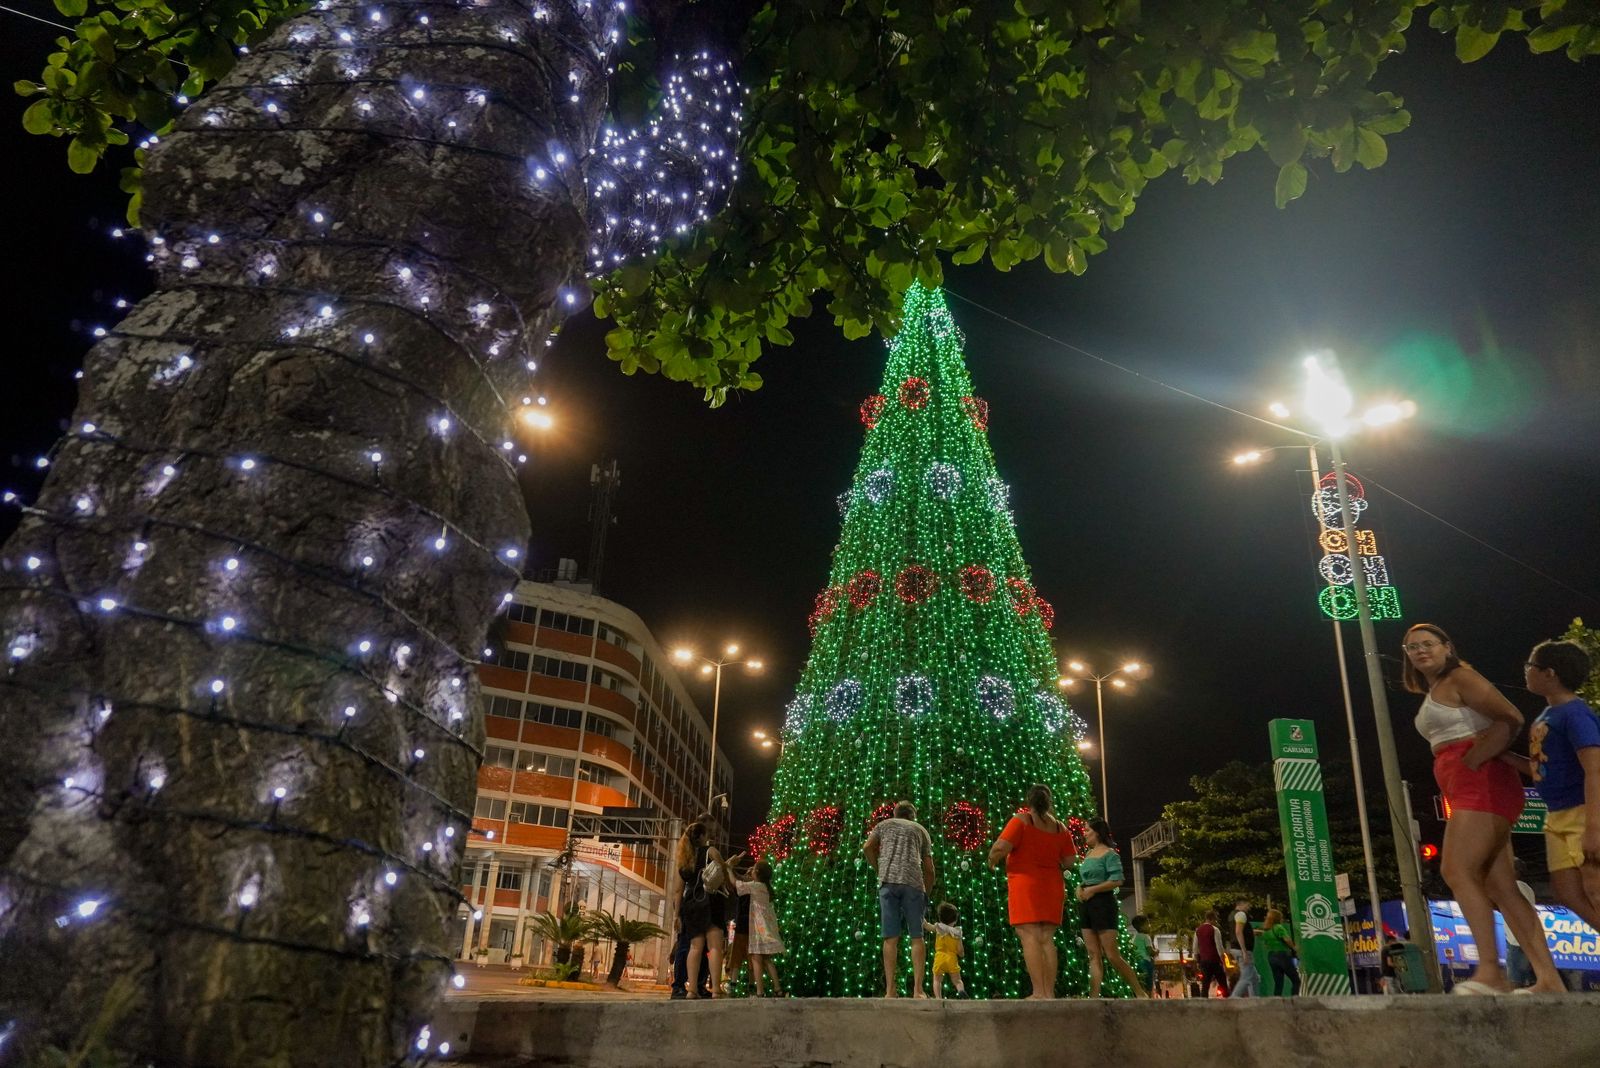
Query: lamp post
(768, 740)
(1080, 672)
(708, 666)
(1375, 900)
(1329, 402)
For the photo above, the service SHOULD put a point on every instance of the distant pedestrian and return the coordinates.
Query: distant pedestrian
(1037, 849)
(1099, 879)
(703, 908)
(1281, 951)
(1248, 985)
(1565, 745)
(901, 850)
(1144, 952)
(947, 950)
(1208, 955)
(1468, 723)
(765, 941)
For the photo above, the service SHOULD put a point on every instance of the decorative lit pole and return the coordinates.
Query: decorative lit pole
(1080, 672)
(708, 666)
(1329, 403)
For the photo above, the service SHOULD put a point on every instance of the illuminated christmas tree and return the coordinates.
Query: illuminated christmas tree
(931, 677)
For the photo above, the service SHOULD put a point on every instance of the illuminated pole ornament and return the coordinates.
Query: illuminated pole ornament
(1337, 599)
(940, 694)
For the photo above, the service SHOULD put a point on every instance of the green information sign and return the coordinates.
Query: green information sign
(1308, 857)
(1533, 812)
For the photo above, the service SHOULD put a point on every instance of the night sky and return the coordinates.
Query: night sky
(1462, 275)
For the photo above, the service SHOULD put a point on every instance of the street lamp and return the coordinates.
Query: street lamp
(1328, 401)
(768, 741)
(713, 667)
(1119, 679)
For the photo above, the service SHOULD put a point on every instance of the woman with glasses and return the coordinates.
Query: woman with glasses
(1469, 724)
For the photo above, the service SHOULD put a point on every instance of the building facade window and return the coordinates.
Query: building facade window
(557, 668)
(509, 879)
(565, 621)
(522, 613)
(555, 715)
(602, 726)
(490, 808)
(614, 636)
(503, 707)
(499, 756)
(539, 815)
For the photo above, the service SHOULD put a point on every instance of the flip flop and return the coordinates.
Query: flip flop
(1521, 990)
(1473, 988)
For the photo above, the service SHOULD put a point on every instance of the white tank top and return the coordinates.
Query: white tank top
(1441, 723)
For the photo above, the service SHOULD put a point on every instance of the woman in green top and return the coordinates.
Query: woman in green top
(1281, 951)
(1099, 876)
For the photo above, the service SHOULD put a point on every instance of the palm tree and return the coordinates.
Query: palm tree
(563, 931)
(623, 933)
(1174, 908)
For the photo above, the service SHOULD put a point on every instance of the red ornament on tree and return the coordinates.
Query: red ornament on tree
(863, 588)
(757, 843)
(872, 410)
(915, 584)
(977, 410)
(977, 583)
(780, 837)
(879, 814)
(1046, 611)
(914, 393)
(822, 610)
(964, 824)
(823, 827)
(1022, 595)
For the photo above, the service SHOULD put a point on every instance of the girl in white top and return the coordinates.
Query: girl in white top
(1469, 724)
(765, 941)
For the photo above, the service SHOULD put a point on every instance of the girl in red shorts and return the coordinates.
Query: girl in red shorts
(1469, 724)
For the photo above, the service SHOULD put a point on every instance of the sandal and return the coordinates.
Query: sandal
(1473, 988)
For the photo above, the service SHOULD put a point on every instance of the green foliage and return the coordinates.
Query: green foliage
(1174, 906)
(1589, 638)
(563, 930)
(1229, 841)
(129, 60)
(625, 932)
(884, 138)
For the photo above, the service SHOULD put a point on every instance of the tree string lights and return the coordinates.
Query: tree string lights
(931, 695)
(242, 617)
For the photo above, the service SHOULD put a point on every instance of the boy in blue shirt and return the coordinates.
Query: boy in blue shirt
(1564, 763)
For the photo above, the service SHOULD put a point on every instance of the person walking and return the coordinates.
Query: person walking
(1565, 767)
(703, 909)
(901, 850)
(738, 950)
(1099, 878)
(1208, 955)
(1468, 724)
(1144, 951)
(1281, 952)
(1248, 985)
(1037, 849)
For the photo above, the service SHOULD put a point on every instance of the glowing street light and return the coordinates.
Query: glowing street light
(767, 741)
(709, 667)
(1119, 679)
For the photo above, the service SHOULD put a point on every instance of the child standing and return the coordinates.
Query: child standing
(765, 942)
(947, 950)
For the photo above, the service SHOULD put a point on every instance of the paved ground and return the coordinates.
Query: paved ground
(500, 982)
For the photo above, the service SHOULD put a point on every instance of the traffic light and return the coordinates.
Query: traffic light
(1430, 852)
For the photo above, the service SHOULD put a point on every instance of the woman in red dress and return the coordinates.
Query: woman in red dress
(1037, 849)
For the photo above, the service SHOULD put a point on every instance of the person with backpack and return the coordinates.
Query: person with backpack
(902, 851)
(703, 908)
(1248, 985)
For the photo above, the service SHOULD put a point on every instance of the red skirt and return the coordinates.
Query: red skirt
(1494, 787)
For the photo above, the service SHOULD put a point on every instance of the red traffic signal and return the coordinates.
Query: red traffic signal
(1429, 851)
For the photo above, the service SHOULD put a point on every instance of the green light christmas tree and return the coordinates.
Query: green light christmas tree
(931, 677)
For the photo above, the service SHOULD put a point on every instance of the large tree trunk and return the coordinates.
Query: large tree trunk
(246, 929)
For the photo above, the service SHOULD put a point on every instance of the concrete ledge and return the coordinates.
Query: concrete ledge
(1394, 1032)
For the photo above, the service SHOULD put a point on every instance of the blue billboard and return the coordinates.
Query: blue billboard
(1574, 944)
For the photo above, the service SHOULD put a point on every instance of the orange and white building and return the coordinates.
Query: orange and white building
(582, 712)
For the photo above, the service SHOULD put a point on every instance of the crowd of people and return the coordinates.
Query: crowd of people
(1470, 727)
